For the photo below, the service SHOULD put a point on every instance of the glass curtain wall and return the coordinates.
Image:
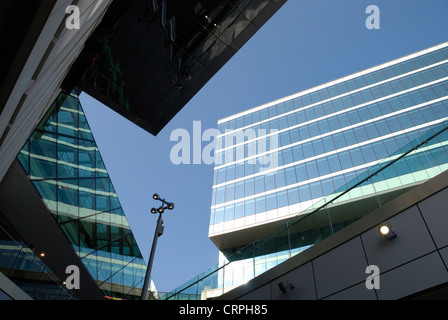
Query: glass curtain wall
(324, 138)
(23, 266)
(63, 162)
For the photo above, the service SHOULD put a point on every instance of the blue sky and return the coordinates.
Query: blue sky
(306, 43)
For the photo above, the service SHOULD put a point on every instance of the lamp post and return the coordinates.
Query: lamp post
(157, 234)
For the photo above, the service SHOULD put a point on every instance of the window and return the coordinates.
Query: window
(249, 187)
(239, 190)
(304, 133)
(357, 157)
(239, 170)
(272, 111)
(306, 100)
(345, 160)
(324, 126)
(301, 172)
(339, 140)
(319, 110)
(350, 138)
(219, 215)
(304, 193)
(343, 120)
(309, 113)
(221, 175)
(328, 107)
(353, 117)
(311, 169)
(285, 139)
(271, 202)
(290, 174)
(315, 97)
(220, 195)
(289, 106)
(293, 196)
(282, 199)
(259, 184)
(334, 163)
(308, 150)
(327, 186)
(316, 190)
(295, 136)
(260, 204)
(229, 212)
(230, 192)
(292, 120)
(270, 181)
(380, 150)
(297, 153)
(283, 123)
(249, 207)
(287, 156)
(323, 167)
(239, 210)
(318, 147)
(280, 179)
(328, 144)
(360, 134)
(256, 117)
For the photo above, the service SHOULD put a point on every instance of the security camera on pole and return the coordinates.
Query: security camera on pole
(159, 231)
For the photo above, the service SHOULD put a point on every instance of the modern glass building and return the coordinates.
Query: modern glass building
(276, 161)
(63, 163)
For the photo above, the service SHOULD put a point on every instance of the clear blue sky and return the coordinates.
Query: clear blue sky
(307, 43)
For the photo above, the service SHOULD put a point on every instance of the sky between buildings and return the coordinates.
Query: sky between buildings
(305, 44)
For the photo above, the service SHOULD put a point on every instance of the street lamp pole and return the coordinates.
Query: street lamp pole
(157, 234)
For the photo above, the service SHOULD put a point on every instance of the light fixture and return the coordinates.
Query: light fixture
(157, 234)
(42, 254)
(386, 231)
(285, 287)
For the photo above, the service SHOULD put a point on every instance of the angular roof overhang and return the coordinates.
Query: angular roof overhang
(147, 59)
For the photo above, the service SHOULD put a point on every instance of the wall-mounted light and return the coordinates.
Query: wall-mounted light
(385, 229)
(285, 287)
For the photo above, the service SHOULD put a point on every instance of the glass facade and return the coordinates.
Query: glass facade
(280, 161)
(23, 266)
(63, 162)
(324, 137)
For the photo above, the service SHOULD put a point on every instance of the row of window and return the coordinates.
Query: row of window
(311, 169)
(337, 141)
(53, 156)
(69, 120)
(131, 277)
(338, 89)
(302, 116)
(410, 164)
